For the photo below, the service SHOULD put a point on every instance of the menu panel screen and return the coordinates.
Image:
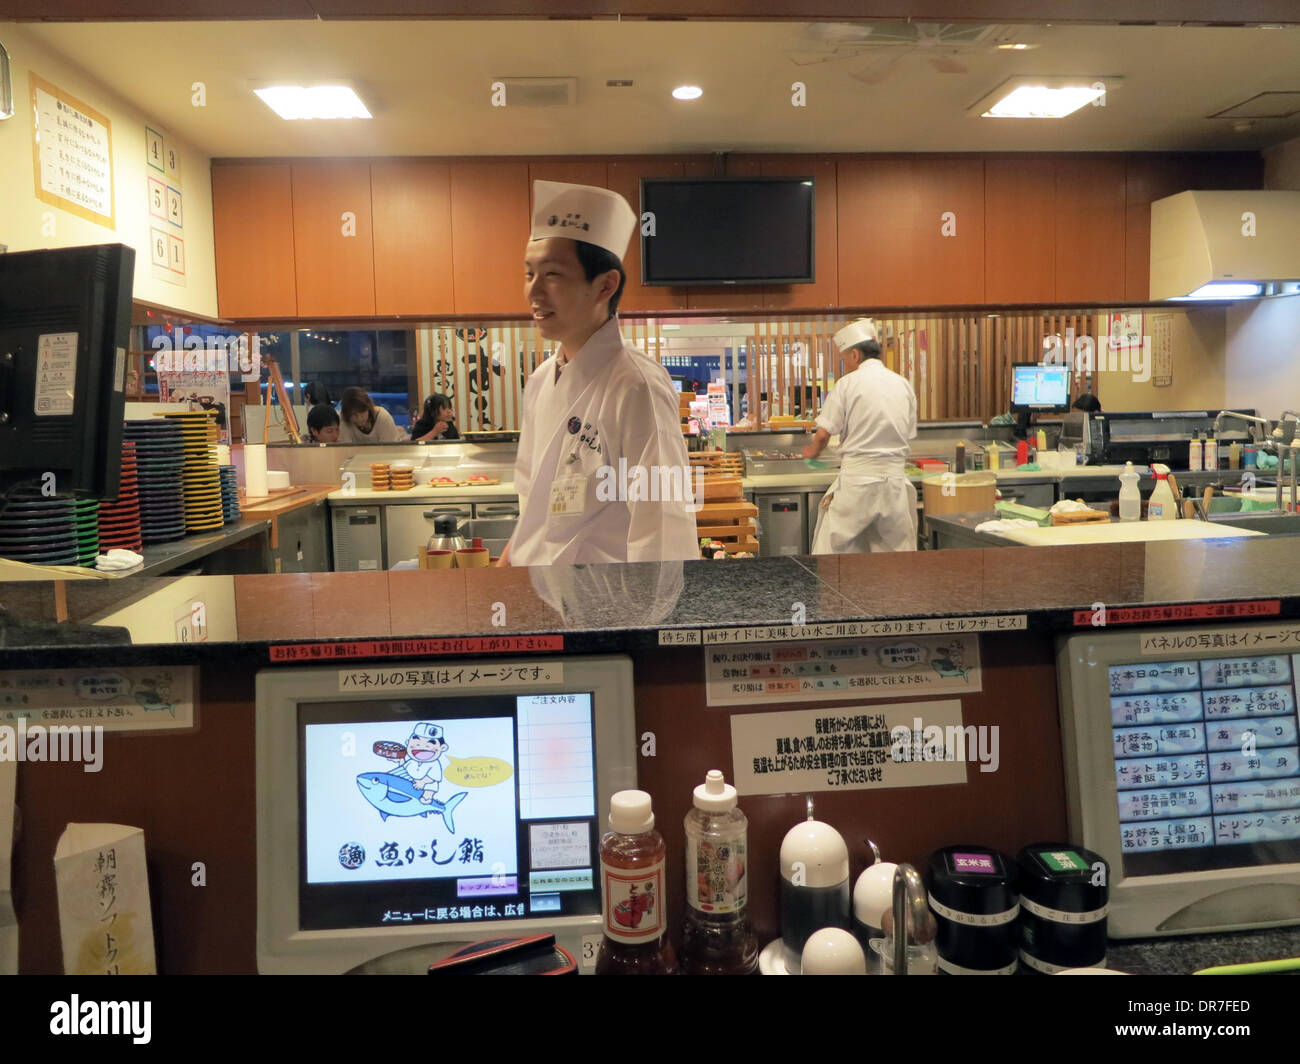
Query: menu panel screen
(1206, 755)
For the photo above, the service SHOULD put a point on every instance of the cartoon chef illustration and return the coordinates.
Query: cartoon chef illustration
(423, 762)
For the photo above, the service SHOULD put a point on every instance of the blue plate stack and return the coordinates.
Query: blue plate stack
(229, 493)
(160, 460)
(40, 530)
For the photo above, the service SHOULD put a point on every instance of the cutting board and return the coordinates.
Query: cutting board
(1123, 532)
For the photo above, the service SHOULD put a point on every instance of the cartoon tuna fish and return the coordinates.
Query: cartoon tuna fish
(395, 796)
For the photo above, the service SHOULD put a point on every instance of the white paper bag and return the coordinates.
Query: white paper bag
(104, 915)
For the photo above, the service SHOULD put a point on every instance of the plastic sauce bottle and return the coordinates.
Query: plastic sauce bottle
(1130, 499)
(1041, 440)
(632, 885)
(1160, 507)
(717, 938)
(1211, 454)
(1195, 455)
(995, 457)
(960, 461)
(1234, 455)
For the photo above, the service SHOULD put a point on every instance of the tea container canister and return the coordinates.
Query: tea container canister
(1064, 897)
(973, 897)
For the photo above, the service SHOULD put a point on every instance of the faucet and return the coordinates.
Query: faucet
(912, 917)
(1218, 420)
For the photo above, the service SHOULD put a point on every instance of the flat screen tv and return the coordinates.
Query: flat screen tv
(726, 230)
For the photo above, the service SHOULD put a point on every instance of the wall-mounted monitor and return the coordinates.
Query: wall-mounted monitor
(1183, 770)
(1039, 389)
(726, 230)
(408, 807)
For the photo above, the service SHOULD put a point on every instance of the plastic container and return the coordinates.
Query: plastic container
(1211, 454)
(959, 460)
(1160, 506)
(994, 457)
(1250, 456)
(632, 857)
(1195, 455)
(1130, 499)
(1234, 455)
(814, 886)
(717, 938)
(957, 493)
(973, 897)
(1063, 901)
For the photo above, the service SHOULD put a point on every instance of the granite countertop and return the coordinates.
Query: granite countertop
(1186, 954)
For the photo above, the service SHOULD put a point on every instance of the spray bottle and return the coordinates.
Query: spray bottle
(1160, 506)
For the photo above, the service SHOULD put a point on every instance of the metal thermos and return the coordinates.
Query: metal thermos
(445, 535)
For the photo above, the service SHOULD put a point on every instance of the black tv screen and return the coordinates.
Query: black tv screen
(727, 231)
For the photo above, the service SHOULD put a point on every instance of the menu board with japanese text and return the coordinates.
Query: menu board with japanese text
(73, 149)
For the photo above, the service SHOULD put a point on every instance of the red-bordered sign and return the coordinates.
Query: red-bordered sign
(393, 648)
(1191, 612)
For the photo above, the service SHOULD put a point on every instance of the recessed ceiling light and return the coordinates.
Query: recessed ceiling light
(687, 92)
(313, 101)
(1019, 46)
(1039, 97)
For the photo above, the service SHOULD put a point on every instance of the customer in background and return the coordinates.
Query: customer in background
(872, 505)
(363, 422)
(316, 393)
(322, 424)
(1088, 403)
(437, 420)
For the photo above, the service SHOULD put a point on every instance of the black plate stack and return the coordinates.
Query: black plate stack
(119, 519)
(160, 459)
(229, 493)
(40, 530)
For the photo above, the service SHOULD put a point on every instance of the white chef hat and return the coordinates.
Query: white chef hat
(854, 333)
(425, 730)
(582, 212)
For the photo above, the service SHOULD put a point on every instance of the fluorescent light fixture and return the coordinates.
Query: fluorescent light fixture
(313, 101)
(1017, 47)
(1039, 97)
(687, 92)
(1226, 290)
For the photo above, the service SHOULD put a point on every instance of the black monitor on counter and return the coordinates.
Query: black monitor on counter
(65, 321)
(1181, 754)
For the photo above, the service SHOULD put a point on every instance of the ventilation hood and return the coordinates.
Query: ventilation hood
(1241, 237)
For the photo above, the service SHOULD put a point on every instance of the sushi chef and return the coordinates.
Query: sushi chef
(872, 505)
(595, 403)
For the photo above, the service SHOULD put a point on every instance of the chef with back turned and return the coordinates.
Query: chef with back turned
(600, 419)
(872, 505)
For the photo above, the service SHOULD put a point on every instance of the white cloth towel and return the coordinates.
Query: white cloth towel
(118, 559)
(1005, 524)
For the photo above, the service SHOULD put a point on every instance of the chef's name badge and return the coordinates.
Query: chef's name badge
(568, 495)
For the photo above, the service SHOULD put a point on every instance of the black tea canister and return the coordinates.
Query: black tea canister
(973, 897)
(1064, 896)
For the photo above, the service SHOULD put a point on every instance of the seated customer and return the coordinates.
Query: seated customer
(363, 422)
(437, 420)
(1088, 403)
(322, 424)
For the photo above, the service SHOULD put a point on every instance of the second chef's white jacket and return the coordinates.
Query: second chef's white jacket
(610, 402)
(872, 505)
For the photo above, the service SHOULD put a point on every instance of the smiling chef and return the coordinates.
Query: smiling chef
(595, 401)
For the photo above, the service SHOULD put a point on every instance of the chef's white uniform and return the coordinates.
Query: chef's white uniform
(610, 402)
(872, 505)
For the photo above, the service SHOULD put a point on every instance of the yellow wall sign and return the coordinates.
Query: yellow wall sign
(73, 153)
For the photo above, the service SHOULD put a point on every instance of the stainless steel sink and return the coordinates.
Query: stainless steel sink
(1281, 524)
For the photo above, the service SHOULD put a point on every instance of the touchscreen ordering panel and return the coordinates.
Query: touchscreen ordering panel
(434, 811)
(1207, 762)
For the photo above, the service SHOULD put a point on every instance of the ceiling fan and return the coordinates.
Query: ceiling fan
(887, 44)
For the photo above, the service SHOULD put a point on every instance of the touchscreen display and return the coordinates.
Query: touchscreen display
(1207, 762)
(445, 810)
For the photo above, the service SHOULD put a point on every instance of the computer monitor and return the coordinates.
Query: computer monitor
(1183, 771)
(1039, 388)
(65, 322)
(413, 805)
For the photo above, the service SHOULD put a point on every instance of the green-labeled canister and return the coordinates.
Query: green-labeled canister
(1064, 896)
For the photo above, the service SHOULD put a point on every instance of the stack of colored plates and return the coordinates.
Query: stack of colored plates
(203, 509)
(401, 478)
(229, 492)
(379, 477)
(86, 522)
(159, 457)
(119, 519)
(40, 530)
